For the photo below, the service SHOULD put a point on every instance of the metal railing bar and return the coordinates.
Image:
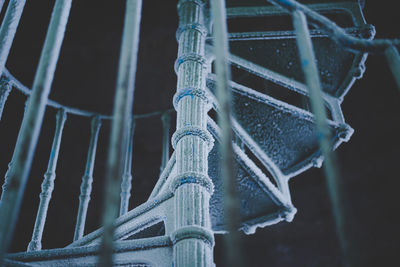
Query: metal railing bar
(14, 82)
(228, 173)
(31, 124)
(9, 28)
(336, 32)
(47, 184)
(120, 126)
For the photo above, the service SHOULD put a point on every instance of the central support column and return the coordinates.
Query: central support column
(193, 239)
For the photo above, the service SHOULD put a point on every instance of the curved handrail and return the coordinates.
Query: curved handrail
(337, 33)
(15, 83)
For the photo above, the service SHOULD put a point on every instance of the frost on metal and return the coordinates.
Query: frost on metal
(275, 137)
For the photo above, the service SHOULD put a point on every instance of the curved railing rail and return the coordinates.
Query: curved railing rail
(12, 81)
(27, 139)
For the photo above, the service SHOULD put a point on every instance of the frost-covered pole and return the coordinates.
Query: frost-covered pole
(7, 175)
(311, 74)
(393, 59)
(9, 28)
(193, 239)
(31, 123)
(120, 125)
(48, 184)
(5, 89)
(126, 184)
(166, 120)
(87, 179)
(1, 5)
(231, 201)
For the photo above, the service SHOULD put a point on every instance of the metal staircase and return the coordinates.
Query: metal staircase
(275, 137)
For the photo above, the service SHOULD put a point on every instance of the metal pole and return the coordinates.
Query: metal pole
(87, 179)
(393, 59)
(126, 184)
(5, 89)
(231, 201)
(119, 129)
(9, 28)
(166, 121)
(48, 184)
(31, 124)
(7, 175)
(309, 66)
(1, 5)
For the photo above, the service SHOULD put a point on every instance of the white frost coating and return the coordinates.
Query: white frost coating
(273, 76)
(300, 113)
(163, 176)
(257, 175)
(346, 130)
(285, 35)
(254, 147)
(279, 177)
(155, 251)
(351, 8)
(269, 74)
(156, 207)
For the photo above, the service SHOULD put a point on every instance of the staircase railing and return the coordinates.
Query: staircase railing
(20, 164)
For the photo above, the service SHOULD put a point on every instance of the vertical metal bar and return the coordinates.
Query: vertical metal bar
(231, 201)
(8, 28)
(309, 66)
(166, 122)
(48, 184)
(126, 184)
(87, 179)
(119, 129)
(5, 89)
(7, 175)
(31, 123)
(393, 59)
(1, 5)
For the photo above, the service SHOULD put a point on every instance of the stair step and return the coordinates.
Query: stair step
(286, 134)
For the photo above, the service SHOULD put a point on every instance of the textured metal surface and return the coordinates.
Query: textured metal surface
(260, 201)
(276, 138)
(118, 144)
(126, 183)
(9, 28)
(87, 179)
(48, 184)
(285, 133)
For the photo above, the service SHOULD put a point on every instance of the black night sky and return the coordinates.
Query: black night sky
(86, 77)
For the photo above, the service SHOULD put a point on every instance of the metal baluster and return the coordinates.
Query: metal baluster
(166, 122)
(231, 201)
(7, 175)
(119, 130)
(31, 123)
(8, 28)
(309, 66)
(48, 184)
(393, 59)
(126, 184)
(87, 179)
(5, 89)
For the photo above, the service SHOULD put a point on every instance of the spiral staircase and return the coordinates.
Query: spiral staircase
(275, 137)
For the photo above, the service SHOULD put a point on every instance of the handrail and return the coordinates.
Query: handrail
(336, 32)
(15, 83)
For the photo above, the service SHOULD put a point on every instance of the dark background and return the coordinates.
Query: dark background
(85, 78)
